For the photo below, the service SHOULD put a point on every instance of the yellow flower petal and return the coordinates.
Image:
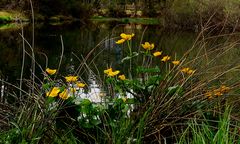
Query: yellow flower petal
(190, 72)
(80, 85)
(120, 41)
(126, 36)
(157, 53)
(176, 62)
(148, 46)
(51, 71)
(209, 95)
(165, 58)
(217, 92)
(71, 78)
(185, 70)
(224, 89)
(108, 70)
(64, 95)
(54, 92)
(112, 74)
(122, 77)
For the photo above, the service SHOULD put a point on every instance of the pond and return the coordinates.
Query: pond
(91, 42)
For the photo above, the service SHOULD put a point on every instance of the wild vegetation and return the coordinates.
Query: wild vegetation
(152, 96)
(157, 98)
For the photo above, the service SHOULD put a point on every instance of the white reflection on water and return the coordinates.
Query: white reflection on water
(94, 93)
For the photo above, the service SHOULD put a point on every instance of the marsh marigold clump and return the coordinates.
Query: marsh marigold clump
(120, 41)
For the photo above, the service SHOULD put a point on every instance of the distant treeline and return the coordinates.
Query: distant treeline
(188, 13)
(83, 8)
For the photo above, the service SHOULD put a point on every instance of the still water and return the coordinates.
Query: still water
(93, 42)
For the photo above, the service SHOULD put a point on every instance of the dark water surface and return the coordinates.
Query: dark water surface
(79, 40)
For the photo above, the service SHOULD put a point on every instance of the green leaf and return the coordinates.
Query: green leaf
(134, 54)
(95, 121)
(154, 80)
(46, 86)
(86, 102)
(110, 80)
(130, 101)
(50, 99)
(126, 58)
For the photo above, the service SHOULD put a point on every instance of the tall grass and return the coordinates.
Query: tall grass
(221, 130)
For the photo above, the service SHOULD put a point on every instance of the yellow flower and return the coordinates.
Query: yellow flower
(54, 92)
(190, 72)
(120, 41)
(126, 36)
(71, 78)
(217, 92)
(108, 70)
(148, 46)
(209, 95)
(224, 89)
(81, 85)
(176, 62)
(64, 95)
(185, 70)
(157, 53)
(122, 77)
(113, 73)
(51, 71)
(165, 58)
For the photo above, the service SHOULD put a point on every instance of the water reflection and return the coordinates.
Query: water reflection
(94, 92)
